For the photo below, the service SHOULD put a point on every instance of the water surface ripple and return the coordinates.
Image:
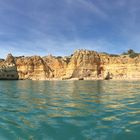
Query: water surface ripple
(69, 110)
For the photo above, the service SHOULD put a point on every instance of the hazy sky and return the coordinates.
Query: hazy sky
(59, 27)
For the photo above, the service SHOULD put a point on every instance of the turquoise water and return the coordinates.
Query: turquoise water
(69, 110)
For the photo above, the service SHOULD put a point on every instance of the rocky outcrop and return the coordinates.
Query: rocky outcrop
(32, 68)
(83, 64)
(57, 65)
(8, 68)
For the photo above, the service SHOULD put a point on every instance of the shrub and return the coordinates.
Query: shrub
(131, 53)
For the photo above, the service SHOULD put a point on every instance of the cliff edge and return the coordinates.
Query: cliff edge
(82, 64)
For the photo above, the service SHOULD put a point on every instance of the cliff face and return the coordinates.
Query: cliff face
(8, 69)
(82, 64)
(32, 68)
(123, 67)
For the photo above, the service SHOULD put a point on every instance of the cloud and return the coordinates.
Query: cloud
(61, 47)
(89, 6)
(59, 27)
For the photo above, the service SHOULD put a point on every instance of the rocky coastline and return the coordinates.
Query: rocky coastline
(81, 65)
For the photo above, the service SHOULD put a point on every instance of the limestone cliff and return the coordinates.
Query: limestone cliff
(83, 64)
(8, 68)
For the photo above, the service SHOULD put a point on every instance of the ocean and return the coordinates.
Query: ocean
(69, 110)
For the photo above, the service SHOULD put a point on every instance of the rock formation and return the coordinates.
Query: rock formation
(8, 68)
(83, 64)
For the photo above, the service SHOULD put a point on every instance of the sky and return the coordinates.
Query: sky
(59, 27)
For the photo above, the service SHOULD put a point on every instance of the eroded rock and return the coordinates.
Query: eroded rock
(83, 64)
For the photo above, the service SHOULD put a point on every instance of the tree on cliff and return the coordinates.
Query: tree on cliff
(131, 53)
